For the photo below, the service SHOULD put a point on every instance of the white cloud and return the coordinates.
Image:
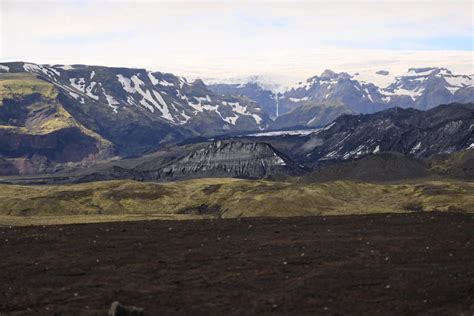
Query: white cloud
(289, 39)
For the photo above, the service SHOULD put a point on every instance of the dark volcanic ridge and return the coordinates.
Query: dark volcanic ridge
(227, 158)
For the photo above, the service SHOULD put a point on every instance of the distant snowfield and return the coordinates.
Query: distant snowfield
(300, 132)
(282, 71)
(371, 76)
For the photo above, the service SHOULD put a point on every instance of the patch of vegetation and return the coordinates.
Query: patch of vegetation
(229, 198)
(14, 85)
(211, 188)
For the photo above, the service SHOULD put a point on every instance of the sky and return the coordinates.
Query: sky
(281, 40)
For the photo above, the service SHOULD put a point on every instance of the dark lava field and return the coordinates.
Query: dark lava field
(398, 264)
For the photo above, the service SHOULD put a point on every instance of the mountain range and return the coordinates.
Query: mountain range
(319, 99)
(61, 117)
(392, 144)
(107, 112)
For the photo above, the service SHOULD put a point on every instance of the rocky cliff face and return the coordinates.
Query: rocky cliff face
(227, 159)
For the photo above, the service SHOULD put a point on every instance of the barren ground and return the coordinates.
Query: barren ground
(368, 264)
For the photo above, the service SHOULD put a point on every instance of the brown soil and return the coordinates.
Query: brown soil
(401, 264)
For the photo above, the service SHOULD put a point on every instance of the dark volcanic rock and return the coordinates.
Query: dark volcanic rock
(117, 309)
(228, 159)
(385, 166)
(7, 168)
(444, 129)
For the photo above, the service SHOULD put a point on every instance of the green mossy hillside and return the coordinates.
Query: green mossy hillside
(16, 85)
(230, 198)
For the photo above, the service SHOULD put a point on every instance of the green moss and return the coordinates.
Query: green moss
(22, 84)
(234, 198)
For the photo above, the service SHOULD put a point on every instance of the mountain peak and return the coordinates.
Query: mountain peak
(427, 71)
(328, 74)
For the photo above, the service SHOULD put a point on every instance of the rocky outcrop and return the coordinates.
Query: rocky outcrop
(117, 309)
(227, 159)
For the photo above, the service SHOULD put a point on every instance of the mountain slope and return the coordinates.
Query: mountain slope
(37, 133)
(385, 166)
(228, 159)
(311, 114)
(420, 134)
(429, 87)
(142, 95)
(252, 90)
(334, 87)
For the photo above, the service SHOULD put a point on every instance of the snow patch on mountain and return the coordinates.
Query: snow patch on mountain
(89, 89)
(166, 114)
(126, 83)
(65, 67)
(239, 109)
(78, 83)
(111, 101)
(152, 78)
(298, 99)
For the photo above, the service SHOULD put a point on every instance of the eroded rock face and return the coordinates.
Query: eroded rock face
(228, 159)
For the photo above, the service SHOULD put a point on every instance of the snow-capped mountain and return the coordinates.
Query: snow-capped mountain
(334, 87)
(429, 87)
(61, 116)
(164, 97)
(364, 92)
(421, 88)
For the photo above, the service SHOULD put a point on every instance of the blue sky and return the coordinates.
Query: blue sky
(235, 38)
